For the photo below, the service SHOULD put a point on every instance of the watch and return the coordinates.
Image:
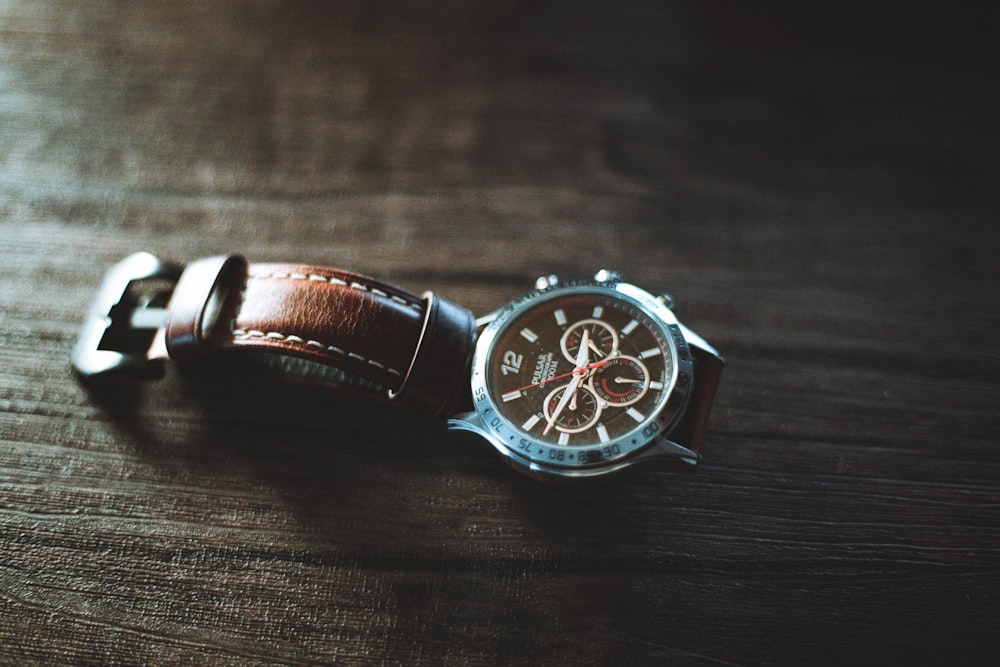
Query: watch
(572, 380)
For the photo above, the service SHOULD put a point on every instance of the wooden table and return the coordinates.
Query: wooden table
(818, 192)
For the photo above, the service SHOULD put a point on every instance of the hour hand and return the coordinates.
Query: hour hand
(583, 355)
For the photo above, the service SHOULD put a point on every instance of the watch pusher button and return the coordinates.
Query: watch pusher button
(666, 300)
(605, 276)
(544, 282)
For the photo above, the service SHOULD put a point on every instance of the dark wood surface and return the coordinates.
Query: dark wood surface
(817, 189)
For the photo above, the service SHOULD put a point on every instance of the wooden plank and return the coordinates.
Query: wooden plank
(824, 214)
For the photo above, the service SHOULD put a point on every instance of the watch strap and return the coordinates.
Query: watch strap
(693, 426)
(416, 349)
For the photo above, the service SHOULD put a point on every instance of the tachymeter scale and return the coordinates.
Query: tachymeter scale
(619, 385)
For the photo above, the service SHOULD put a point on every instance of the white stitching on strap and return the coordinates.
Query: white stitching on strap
(315, 277)
(274, 335)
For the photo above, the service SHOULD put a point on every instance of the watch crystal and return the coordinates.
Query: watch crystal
(580, 369)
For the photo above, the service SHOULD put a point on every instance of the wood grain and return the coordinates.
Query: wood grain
(819, 195)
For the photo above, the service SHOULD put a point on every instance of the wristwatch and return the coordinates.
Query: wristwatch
(572, 380)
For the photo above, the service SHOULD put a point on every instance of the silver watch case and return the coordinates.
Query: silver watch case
(648, 440)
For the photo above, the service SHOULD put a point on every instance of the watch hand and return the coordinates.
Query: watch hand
(583, 355)
(627, 381)
(570, 393)
(575, 371)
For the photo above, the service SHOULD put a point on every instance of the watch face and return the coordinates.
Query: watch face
(580, 376)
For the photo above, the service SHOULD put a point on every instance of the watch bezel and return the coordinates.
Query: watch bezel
(589, 460)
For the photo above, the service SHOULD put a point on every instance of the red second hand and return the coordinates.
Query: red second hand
(592, 366)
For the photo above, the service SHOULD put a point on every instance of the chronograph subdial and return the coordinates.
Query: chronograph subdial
(578, 415)
(602, 339)
(621, 381)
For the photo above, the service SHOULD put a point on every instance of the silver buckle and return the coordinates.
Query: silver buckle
(121, 325)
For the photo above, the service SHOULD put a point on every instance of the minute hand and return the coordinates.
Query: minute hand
(581, 363)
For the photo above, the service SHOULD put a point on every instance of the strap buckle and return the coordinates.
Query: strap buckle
(124, 319)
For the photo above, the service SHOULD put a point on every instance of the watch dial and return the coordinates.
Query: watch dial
(580, 369)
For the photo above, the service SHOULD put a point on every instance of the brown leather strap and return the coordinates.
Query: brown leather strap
(417, 349)
(693, 427)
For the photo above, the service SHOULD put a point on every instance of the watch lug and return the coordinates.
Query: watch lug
(664, 448)
(485, 320)
(468, 421)
(694, 340)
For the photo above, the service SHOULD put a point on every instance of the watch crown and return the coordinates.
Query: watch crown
(666, 300)
(605, 276)
(546, 281)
